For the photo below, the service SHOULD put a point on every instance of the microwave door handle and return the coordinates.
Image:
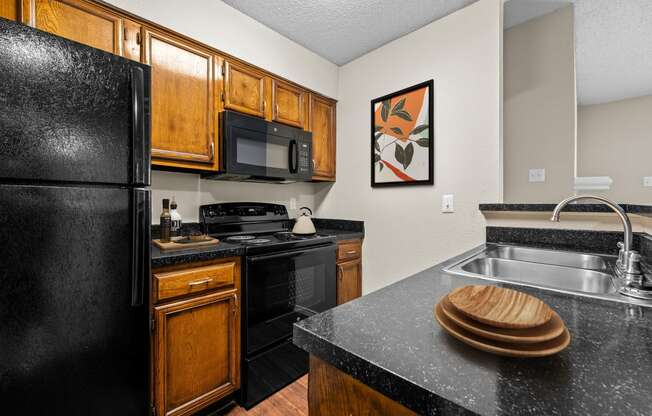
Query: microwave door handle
(293, 156)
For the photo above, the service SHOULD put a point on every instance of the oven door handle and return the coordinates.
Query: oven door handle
(256, 259)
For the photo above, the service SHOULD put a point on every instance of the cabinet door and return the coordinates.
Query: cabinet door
(76, 20)
(349, 281)
(196, 352)
(323, 138)
(183, 102)
(244, 89)
(288, 103)
(10, 9)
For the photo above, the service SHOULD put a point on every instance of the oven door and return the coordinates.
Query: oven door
(259, 149)
(284, 288)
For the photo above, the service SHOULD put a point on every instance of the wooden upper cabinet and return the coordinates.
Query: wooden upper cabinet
(10, 9)
(288, 103)
(322, 114)
(76, 20)
(183, 113)
(244, 89)
(196, 352)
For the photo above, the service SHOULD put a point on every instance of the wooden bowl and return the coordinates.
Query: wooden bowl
(546, 332)
(500, 307)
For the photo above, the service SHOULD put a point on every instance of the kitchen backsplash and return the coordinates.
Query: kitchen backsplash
(190, 192)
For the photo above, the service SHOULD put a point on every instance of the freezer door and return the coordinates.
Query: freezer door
(71, 112)
(74, 274)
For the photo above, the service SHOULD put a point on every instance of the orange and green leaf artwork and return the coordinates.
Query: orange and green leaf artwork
(402, 137)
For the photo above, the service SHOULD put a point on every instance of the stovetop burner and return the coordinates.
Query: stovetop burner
(258, 241)
(240, 238)
(289, 236)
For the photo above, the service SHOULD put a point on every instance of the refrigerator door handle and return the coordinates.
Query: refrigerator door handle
(140, 163)
(141, 251)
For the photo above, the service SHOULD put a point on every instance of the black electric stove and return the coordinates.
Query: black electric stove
(286, 278)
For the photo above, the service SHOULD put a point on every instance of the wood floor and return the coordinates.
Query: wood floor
(291, 401)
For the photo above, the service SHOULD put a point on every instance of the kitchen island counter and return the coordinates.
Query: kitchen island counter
(390, 341)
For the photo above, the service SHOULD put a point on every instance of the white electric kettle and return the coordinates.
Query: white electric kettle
(303, 224)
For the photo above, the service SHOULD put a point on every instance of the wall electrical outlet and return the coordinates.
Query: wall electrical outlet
(448, 203)
(537, 175)
(293, 203)
(647, 181)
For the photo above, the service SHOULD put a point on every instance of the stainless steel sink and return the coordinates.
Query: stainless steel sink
(558, 258)
(562, 271)
(567, 278)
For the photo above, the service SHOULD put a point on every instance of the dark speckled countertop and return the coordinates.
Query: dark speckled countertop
(390, 341)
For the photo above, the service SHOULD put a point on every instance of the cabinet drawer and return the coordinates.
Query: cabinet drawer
(193, 280)
(349, 250)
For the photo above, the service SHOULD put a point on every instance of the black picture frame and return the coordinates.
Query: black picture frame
(430, 84)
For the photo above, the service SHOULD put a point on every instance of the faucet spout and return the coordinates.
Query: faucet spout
(627, 225)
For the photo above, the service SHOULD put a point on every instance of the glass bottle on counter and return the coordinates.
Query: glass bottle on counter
(175, 229)
(166, 222)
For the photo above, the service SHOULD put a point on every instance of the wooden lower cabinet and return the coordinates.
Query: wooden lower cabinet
(349, 271)
(332, 392)
(196, 343)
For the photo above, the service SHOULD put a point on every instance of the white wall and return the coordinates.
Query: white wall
(615, 139)
(405, 230)
(539, 107)
(223, 27)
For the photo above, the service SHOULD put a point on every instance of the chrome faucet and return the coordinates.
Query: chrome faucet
(628, 266)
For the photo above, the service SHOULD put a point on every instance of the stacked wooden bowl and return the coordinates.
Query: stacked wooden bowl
(502, 321)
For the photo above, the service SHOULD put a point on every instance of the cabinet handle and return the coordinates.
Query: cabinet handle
(352, 252)
(200, 282)
(235, 303)
(264, 106)
(314, 164)
(277, 110)
(212, 149)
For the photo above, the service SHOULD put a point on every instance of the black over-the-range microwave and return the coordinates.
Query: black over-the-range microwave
(255, 150)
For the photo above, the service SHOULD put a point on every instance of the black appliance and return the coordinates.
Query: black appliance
(255, 150)
(287, 278)
(75, 221)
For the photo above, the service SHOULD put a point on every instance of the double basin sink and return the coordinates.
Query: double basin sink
(577, 273)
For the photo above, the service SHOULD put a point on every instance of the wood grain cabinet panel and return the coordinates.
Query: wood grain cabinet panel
(76, 20)
(349, 280)
(322, 114)
(196, 352)
(244, 89)
(132, 40)
(183, 103)
(10, 9)
(288, 103)
(194, 280)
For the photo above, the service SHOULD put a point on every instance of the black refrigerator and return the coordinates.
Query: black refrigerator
(74, 228)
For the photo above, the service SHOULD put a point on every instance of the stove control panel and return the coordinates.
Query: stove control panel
(242, 212)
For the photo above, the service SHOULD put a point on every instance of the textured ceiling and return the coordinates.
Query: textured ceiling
(342, 30)
(613, 45)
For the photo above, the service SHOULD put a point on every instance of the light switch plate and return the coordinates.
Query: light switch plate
(537, 175)
(647, 181)
(448, 203)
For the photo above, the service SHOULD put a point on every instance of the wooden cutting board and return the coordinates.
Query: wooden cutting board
(500, 307)
(506, 349)
(550, 330)
(173, 245)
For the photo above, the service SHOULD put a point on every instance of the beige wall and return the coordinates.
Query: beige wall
(615, 139)
(405, 229)
(219, 25)
(539, 107)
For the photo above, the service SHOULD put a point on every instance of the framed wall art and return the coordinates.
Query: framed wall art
(402, 137)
